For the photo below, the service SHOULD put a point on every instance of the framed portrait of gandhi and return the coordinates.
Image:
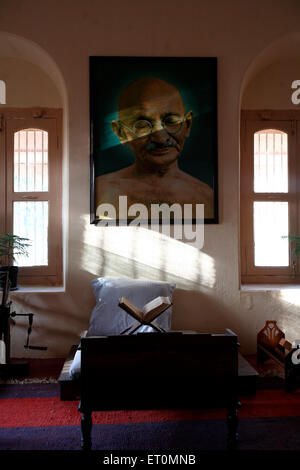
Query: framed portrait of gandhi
(154, 140)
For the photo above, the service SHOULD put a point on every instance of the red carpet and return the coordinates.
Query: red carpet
(50, 411)
(32, 417)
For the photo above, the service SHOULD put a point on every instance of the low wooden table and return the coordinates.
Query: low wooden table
(69, 389)
(159, 371)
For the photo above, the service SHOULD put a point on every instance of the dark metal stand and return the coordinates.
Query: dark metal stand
(15, 367)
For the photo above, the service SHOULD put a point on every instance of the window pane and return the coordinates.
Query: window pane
(31, 160)
(31, 221)
(270, 225)
(270, 161)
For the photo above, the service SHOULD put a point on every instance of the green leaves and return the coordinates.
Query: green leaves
(296, 240)
(13, 245)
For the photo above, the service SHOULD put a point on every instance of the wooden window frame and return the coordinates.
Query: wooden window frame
(49, 119)
(251, 122)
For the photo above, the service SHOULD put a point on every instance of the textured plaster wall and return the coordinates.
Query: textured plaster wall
(271, 88)
(208, 297)
(28, 85)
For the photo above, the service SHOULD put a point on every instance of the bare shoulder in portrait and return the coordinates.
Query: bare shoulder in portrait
(110, 186)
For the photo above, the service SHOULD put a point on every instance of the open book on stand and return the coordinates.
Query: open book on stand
(147, 315)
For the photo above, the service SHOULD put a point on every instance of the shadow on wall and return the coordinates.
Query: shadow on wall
(202, 312)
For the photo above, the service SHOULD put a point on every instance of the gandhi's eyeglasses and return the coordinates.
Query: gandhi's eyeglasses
(141, 128)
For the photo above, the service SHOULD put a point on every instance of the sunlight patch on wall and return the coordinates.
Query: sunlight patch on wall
(289, 313)
(157, 251)
(291, 295)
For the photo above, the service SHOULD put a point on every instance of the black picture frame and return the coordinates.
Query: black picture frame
(196, 80)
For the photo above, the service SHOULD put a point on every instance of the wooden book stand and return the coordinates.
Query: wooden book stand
(271, 344)
(137, 324)
(140, 318)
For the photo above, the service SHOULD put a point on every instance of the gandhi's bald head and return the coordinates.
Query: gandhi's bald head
(148, 90)
(152, 120)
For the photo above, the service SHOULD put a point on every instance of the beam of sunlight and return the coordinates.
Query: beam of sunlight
(143, 247)
(291, 295)
(289, 314)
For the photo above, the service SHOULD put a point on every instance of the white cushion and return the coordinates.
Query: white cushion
(74, 371)
(107, 318)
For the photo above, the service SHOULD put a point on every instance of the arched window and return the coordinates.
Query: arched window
(30, 173)
(270, 177)
(269, 197)
(33, 192)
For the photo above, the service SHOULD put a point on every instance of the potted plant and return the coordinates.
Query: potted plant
(12, 246)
